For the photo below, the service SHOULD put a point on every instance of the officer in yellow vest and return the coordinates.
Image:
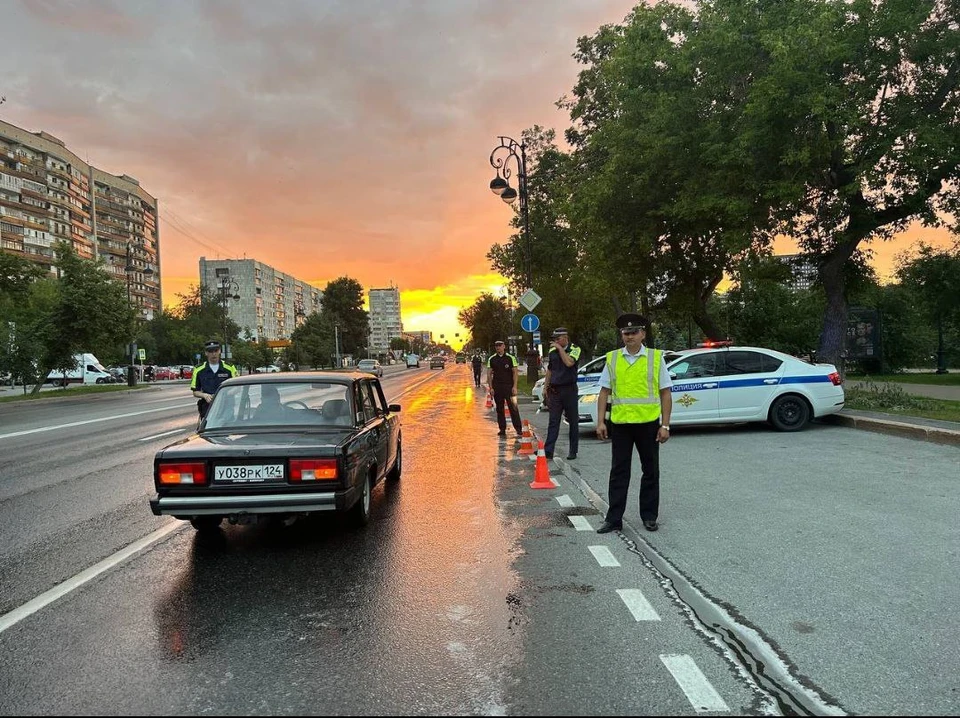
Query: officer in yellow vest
(637, 384)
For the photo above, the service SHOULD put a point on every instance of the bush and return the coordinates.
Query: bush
(885, 397)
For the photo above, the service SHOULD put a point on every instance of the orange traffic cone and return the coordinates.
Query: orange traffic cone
(489, 403)
(542, 478)
(526, 443)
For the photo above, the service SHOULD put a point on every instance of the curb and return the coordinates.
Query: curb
(918, 432)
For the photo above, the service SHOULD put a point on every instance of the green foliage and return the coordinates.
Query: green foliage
(489, 318)
(343, 301)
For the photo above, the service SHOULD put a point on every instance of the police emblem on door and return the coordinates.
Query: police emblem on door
(687, 401)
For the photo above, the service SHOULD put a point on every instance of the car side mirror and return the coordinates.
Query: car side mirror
(394, 407)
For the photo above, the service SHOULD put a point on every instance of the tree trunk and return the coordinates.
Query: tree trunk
(833, 337)
(703, 320)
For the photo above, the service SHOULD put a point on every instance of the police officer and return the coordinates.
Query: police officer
(477, 362)
(560, 390)
(502, 376)
(208, 377)
(636, 382)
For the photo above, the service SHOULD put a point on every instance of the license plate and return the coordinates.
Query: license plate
(248, 473)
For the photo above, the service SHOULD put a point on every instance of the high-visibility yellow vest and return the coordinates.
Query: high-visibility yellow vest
(634, 388)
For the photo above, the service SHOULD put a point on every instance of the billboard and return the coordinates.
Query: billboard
(863, 334)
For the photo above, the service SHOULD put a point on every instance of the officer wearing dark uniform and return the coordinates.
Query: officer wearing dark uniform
(636, 381)
(502, 376)
(208, 377)
(477, 362)
(560, 391)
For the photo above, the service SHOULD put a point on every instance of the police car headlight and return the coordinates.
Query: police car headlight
(589, 398)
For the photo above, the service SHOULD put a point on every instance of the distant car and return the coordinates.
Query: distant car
(437, 362)
(727, 384)
(370, 365)
(271, 369)
(164, 372)
(413, 360)
(285, 446)
(461, 358)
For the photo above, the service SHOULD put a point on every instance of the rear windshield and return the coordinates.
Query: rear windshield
(272, 404)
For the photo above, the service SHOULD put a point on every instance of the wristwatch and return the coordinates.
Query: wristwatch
(665, 426)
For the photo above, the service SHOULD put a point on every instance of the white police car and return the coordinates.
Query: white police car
(588, 374)
(720, 384)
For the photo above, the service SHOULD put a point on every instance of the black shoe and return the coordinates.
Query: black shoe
(606, 527)
(549, 457)
(650, 525)
(571, 457)
(501, 433)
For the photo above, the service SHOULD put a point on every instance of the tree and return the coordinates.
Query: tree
(312, 342)
(934, 277)
(488, 319)
(343, 307)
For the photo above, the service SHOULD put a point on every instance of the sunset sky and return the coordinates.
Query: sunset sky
(324, 138)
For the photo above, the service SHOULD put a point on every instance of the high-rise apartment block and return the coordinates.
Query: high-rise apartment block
(385, 321)
(260, 299)
(47, 193)
(804, 272)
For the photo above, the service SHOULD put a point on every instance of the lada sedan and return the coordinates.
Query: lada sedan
(283, 444)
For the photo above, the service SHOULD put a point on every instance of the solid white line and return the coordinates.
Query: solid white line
(638, 604)
(603, 556)
(701, 694)
(166, 433)
(92, 421)
(580, 523)
(45, 599)
(565, 501)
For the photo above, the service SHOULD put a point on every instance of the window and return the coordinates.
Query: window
(368, 401)
(696, 366)
(770, 364)
(744, 363)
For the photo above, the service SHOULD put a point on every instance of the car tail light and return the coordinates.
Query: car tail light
(313, 469)
(179, 474)
(835, 378)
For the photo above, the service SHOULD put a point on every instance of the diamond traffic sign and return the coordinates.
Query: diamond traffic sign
(530, 300)
(530, 322)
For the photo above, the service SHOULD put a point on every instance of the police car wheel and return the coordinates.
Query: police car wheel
(789, 413)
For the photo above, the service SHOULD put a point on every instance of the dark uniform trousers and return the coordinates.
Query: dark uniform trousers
(563, 401)
(624, 437)
(476, 373)
(503, 394)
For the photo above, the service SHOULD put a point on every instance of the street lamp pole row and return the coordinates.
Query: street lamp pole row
(130, 268)
(500, 158)
(226, 287)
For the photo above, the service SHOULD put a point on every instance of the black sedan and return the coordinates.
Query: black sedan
(282, 444)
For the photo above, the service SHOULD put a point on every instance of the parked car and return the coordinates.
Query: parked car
(727, 384)
(86, 370)
(437, 361)
(290, 445)
(269, 369)
(590, 373)
(370, 365)
(165, 373)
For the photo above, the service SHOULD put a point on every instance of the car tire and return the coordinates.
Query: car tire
(206, 524)
(360, 512)
(790, 412)
(394, 474)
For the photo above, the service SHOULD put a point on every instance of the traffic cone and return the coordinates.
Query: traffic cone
(526, 443)
(542, 478)
(489, 403)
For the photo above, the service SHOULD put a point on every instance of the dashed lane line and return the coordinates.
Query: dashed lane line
(92, 421)
(580, 523)
(604, 557)
(638, 604)
(699, 691)
(565, 501)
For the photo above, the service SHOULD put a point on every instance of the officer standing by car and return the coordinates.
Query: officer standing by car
(208, 377)
(477, 362)
(560, 390)
(502, 375)
(637, 383)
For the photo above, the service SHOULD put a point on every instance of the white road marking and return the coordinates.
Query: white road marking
(565, 501)
(580, 523)
(603, 556)
(92, 421)
(638, 604)
(45, 599)
(166, 433)
(701, 694)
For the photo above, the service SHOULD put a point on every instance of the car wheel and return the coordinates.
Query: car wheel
(789, 413)
(206, 524)
(360, 513)
(394, 474)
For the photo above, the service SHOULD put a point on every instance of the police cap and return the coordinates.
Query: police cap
(632, 321)
(211, 345)
(560, 332)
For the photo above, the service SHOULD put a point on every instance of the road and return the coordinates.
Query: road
(830, 556)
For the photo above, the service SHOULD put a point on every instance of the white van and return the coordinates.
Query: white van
(87, 370)
(413, 361)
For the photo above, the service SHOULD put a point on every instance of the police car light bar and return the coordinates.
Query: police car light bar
(712, 344)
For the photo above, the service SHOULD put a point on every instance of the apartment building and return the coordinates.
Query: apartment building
(804, 272)
(421, 337)
(47, 193)
(385, 321)
(260, 299)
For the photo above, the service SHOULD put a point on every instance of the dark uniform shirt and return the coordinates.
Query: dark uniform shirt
(501, 369)
(206, 381)
(560, 373)
(477, 361)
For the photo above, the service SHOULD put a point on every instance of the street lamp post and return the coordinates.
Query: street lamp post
(500, 185)
(130, 268)
(228, 290)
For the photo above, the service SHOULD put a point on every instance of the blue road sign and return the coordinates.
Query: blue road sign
(530, 322)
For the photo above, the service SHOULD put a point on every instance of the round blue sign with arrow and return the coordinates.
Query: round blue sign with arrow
(530, 322)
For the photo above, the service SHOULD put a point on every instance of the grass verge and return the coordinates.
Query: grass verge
(894, 400)
(931, 379)
(72, 391)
